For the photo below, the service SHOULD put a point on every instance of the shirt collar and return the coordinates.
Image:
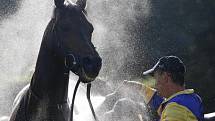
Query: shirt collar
(186, 91)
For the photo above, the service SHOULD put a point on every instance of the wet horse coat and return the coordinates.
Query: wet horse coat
(66, 46)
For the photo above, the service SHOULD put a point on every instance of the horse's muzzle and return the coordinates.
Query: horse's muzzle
(91, 68)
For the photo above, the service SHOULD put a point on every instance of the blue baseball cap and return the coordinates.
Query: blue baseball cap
(171, 64)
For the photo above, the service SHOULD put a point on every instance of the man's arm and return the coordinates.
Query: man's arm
(145, 91)
(150, 95)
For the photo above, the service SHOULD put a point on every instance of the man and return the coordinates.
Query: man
(170, 98)
(172, 101)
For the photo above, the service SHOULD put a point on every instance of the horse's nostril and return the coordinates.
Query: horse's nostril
(91, 67)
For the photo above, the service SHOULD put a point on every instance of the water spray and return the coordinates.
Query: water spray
(88, 98)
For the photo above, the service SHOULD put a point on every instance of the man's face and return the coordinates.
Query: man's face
(161, 83)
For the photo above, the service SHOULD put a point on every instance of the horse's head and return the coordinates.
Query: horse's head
(72, 35)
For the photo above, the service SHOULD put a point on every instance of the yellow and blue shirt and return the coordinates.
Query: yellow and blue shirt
(182, 106)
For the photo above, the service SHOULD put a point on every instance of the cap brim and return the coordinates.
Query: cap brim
(149, 72)
(152, 70)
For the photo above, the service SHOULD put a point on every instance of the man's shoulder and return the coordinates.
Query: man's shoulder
(191, 101)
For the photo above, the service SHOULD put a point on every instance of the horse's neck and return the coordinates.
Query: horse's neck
(50, 80)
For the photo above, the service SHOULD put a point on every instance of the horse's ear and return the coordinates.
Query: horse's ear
(59, 3)
(81, 3)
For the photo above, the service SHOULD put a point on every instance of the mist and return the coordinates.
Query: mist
(21, 34)
(113, 36)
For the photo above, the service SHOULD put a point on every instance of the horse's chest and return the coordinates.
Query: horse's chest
(47, 112)
(30, 108)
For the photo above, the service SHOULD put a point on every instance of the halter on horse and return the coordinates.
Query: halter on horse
(66, 46)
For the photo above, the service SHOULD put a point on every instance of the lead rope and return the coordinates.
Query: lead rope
(88, 98)
(73, 99)
(90, 103)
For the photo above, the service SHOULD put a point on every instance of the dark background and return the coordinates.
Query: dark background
(8, 7)
(186, 29)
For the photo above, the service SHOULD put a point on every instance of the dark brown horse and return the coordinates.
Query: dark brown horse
(66, 46)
